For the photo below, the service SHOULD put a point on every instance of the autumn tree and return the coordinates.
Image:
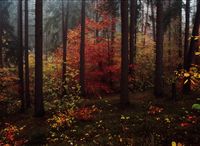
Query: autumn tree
(82, 50)
(39, 105)
(158, 90)
(124, 99)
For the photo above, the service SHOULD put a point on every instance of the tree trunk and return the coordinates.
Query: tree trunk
(169, 41)
(187, 28)
(146, 24)
(1, 46)
(153, 20)
(111, 53)
(65, 33)
(133, 31)
(27, 92)
(142, 16)
(193, 47)
(124, 99)
(39, 105)
(180, 45)
(20, 57)
(82, 50)
(1, 43)
(193, 43)
(97, 20)
(158, 91)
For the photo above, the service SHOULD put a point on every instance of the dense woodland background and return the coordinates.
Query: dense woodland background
(99, 72)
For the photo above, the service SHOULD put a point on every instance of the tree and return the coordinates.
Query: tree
(97, 19)
(65, 34)
(27, 93)
(180, 46)
(20, 57)
(39, 105)
(124, 100)
(158, 90)
(187, 27)
(146, 23)
(133, 31)
(1, 44)
(193, 47)
(153, 20)
(82, 50)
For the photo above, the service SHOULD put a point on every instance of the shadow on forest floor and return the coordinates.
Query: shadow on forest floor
(146, 121)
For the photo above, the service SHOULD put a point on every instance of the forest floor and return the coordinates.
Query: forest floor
(146, 121)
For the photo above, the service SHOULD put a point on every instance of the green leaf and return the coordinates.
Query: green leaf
(196, 106)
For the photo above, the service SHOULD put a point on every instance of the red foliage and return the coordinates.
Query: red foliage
(185, 124)
(85, 114)
(154, 110)
(101, 62)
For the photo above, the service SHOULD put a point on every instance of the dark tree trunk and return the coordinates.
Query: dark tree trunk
(142, 16)
(39, 105)
(97, 20)
(65, 33)
(111, 53)
(1, 45)
(187, 28)
(27, 93)
(113, 30)
(133, 31)
(158, 91)
(193, 47)
(82, 50)
(153, 20)
(193, 43)
(1, 42)
(146, 24)
(124, 99)
(180, 44)
(169, 40)
(20, 57)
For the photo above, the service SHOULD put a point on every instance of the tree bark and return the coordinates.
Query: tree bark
(65, 34)
(20, 57)
(124, 99)
(27, 92)
(1, 46)
(193, 42)
(187, 28)
(39, 105)
(146, 24)
(97, 20)
(133, 31)
(153, 20)
(158, 91)
(169, 40)
(82, 50)
(180, 45)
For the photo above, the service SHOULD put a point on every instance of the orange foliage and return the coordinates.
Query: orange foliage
(101, 60)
